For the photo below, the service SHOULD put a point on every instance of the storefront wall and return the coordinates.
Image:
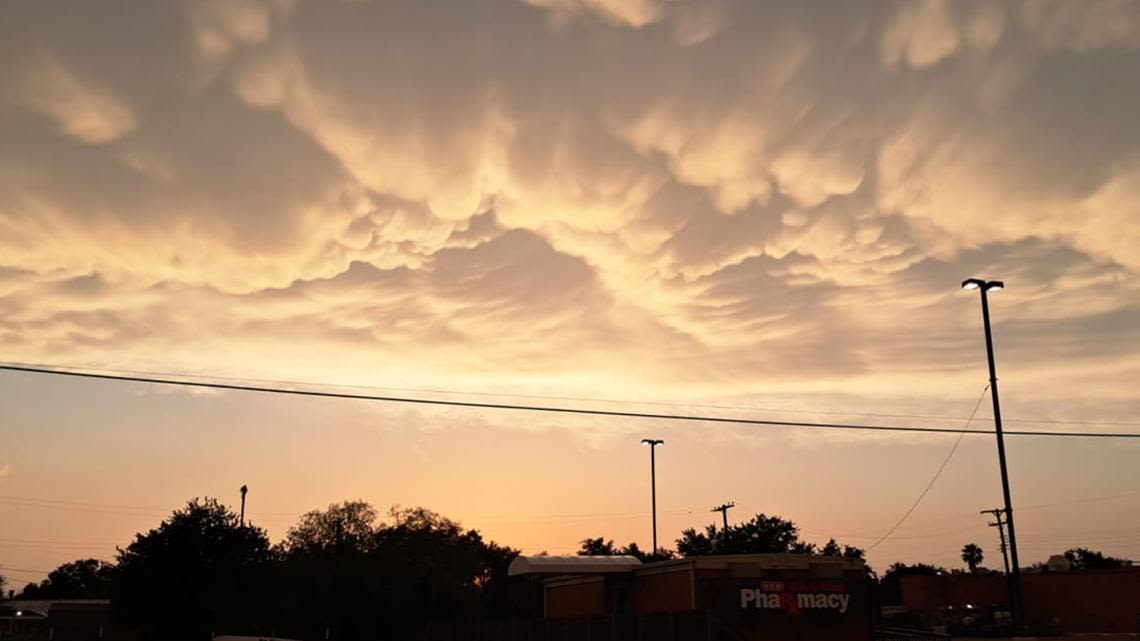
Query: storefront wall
(664, 592)
(788, 604)
(1084, 601)
(769, 597)
(576, 599)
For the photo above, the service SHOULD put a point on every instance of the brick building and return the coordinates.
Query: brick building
(60, 620)
(1105, 600)
(750, 596)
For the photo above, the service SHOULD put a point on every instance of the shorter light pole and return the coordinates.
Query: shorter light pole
(653, 443)
(244, 489)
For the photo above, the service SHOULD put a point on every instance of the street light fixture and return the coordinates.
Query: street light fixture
(653, 443)
(984, 287)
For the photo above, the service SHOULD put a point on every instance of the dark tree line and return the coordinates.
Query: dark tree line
(82, 579)
(340, 572)
(890, 584)
(343, 573)
(762, 534)
(603, 547)
(1086, 559)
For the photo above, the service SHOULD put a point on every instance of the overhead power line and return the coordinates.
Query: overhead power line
(938, 473)
(544, 408)
(549, 397)
(4, 568)
(144, 510)
(267, 517)
(1091, 499)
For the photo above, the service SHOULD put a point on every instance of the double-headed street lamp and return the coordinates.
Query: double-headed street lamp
(653, 443)
(985, 287)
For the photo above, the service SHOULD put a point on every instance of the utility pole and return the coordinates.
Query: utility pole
(244, 489)
(1000, 525)
(653, 443)
(1016, 605)
(723, 509)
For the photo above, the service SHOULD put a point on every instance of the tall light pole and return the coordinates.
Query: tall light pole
(653, 443)
(985, 287)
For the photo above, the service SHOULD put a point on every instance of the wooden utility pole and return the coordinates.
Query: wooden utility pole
(723, 509)
(999, 514)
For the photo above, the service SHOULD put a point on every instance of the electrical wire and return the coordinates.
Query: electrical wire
(1092, 499)
(141, 510)
(144, 511)
(937, 474)
(548, 409)
(584, 399)
(4, 568)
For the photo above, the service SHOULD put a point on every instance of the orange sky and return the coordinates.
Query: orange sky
(688, 203)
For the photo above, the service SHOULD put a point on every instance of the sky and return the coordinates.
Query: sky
(747, 209)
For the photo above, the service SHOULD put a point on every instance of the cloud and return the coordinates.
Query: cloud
(1082, 27)
(698, 198)
(219, 27)
(80, 108)
(630, 13)
(920, 34)
(696, 22)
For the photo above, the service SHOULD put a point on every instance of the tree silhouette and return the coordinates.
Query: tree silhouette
(831, 548)
(343, 526)
(890, 586)
(761, 534)
(359, 578)
(804, 547)
(433, 568)
(197, 573)
(603, 547)
(339, 571)
(325, 558)
(1086, 559)
(972, 555)
(662, 554)
(597, 547)
(82, 579)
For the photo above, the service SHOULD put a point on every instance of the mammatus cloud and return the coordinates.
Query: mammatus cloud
(629, 13)
(219, 28)
(920, 34)
(80, 109)
(711, 197)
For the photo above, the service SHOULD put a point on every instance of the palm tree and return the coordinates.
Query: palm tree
(972, 555)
